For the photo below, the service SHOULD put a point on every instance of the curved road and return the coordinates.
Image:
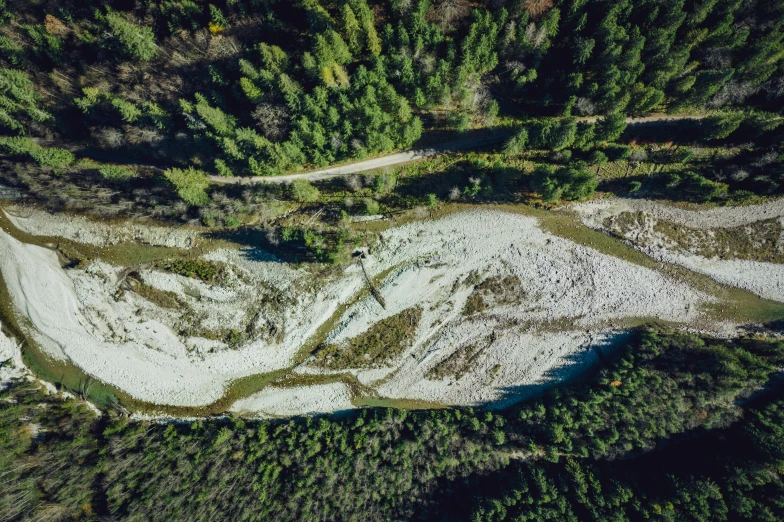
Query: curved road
(467, 143)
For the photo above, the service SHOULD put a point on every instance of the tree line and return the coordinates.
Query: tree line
(554, 457)
(261, 87)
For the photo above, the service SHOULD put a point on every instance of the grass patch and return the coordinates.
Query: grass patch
(493, 291)
(207, 271)
(381, 342)
(402, 404)
(162, 298)
(756, 242)
(456, 365)
(357, 390)
(122, 254)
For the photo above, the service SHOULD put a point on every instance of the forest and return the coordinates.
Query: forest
(133, 109)
(670, 427)
(147, 97)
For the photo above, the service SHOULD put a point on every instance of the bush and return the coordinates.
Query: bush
(191, 185)
(516, 144)
(553, 135)
(721, 126)
(207, 271)
(567, 183)
(616, 152)
(53, 157)
(17, 98)
(370, 206)
(46, 157)
(598, 158)
(18, 145)
(385, 183)
(115, 173)
(611, 127)
(303, 191)
(695, 187)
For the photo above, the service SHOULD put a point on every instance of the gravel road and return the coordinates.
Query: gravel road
(399, 158)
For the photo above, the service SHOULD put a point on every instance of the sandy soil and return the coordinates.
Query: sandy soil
(761, 278)
(567, 299)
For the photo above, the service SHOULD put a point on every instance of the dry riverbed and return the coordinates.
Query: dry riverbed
(480, 306)
(740, 246)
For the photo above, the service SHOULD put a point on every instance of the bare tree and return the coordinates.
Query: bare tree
(273, 120)
(271, 235)
(535, 36)
(739, 175)
(638, 155)
(353, 182)
(109, 137)
(766, 159)
(774, 87)
(448, 12)
(336, 140)
(224, 47)
(585, 107)
(147, 136)
(537, 8)
(732, 93)
(717, 58)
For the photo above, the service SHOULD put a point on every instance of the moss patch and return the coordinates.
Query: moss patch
(457, 364)
(493, 291)
(380, 343)
(207, 271)
(162, 298)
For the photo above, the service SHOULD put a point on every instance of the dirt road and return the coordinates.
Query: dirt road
(479, 139)
(399, 158)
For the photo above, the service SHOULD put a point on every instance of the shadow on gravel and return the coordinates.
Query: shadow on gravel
(256, 246)
(578, 366)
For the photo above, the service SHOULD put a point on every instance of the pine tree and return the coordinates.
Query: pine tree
(352, 32)
(610, 127)
(136, 42)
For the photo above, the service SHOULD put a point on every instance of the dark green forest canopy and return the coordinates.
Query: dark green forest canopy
(265, 86)
(568, 456)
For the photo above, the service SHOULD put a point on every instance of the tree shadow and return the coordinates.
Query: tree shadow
(579, 366)
(676, 131)
(255, 245)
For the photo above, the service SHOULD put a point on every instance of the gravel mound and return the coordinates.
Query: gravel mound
(761, 278)
(322, 398)
(83, 230)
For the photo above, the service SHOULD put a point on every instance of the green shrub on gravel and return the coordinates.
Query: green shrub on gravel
(380, 343)
(207, 271)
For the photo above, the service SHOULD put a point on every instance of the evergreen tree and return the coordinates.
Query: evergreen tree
(136, 42)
